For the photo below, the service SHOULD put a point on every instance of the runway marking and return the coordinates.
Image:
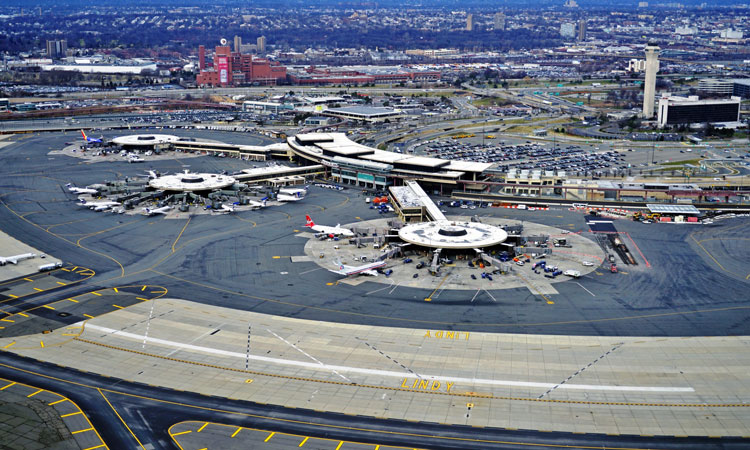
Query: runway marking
(202, 427)
(359, 370)
(311, 270)
(692, 236)
(582, 369)
(638, 249)
(475, 295)
(381, 289)
(582, 287)
(180, 235)
(271, 435)
(438, 287)
(236, 431)
(488, 293)
(435, 322)
(319, 363)
(388, 357)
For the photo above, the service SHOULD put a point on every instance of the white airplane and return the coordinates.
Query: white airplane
(14, 259)
(257, 205)
(98, 206)
(77, 190)
(293, 191)
(336, 231)
(153, 174)
(224, 209)
(365, 269)
(289, 197)
(155, 211)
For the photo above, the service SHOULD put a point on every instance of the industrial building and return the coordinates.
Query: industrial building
(674, 110)
(319, 76)
(739, 87)
(235, 69)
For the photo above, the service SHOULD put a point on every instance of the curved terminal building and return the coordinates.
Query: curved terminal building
(192, 182)
(144, 141)
(367, 167)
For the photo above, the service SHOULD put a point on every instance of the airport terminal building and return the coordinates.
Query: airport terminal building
(355, 164)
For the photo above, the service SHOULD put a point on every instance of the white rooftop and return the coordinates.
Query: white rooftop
(448, 234)
(190, 182)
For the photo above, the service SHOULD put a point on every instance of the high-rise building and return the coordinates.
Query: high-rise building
(499, 21)
(675, 110)
(568, 30)
(57, 48)
(469, 22)
(201, 58)
(581, 30)
(237, 43)
(649, 84)
(261, 43)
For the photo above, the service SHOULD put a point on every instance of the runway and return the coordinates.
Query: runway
(695, 286)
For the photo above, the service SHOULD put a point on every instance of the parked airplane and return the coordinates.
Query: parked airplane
(155, 211)
(14, 259)
(90, 139)
(153, 174)
(223, 209)
(98, 206)
(257, 205)
(289, 197)
(293, 191)
(365, 269)
(77, 190)
(336, 231)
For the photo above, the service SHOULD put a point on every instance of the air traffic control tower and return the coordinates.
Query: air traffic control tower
(649, 86)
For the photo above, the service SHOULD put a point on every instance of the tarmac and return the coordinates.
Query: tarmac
(656, 349)
(601, 385)
(11, 247)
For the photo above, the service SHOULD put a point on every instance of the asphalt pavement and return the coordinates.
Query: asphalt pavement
(689, 281)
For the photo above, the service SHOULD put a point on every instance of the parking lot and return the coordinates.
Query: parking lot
(573, 159)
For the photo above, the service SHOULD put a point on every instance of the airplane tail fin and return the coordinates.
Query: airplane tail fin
(84, 135)
(310, 222)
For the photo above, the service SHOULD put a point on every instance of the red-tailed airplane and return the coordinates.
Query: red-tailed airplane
(336, 231)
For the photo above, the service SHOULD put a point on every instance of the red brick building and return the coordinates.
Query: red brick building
(317, 76)
(235, 69)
